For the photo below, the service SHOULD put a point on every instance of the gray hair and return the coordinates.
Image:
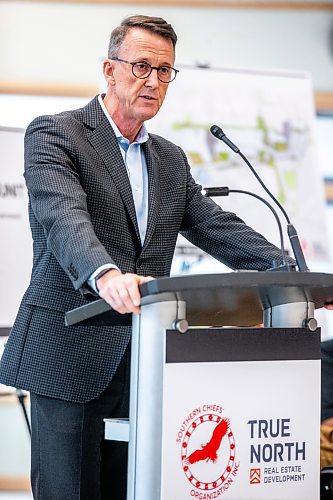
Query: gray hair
(155, 25)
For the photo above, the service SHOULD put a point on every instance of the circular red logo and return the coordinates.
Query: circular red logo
(208, 451)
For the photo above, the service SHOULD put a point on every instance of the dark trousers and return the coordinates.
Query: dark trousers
(69, 458)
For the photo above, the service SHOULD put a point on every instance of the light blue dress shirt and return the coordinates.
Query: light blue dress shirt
(136, 168)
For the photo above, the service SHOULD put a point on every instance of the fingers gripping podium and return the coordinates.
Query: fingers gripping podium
(262, 383)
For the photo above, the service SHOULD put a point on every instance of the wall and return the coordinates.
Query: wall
(62, 42)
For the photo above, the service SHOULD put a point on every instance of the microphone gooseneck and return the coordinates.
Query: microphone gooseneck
(224, 191)
(292, 233)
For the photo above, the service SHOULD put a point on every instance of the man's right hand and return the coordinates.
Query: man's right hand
(121, 291)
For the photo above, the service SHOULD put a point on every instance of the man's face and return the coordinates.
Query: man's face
(136, 100)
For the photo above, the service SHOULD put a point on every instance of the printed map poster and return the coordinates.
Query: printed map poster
(270, 116)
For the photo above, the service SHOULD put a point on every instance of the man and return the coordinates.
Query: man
(107, 201)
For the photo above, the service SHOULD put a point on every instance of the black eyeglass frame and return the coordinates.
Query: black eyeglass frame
(151, 69)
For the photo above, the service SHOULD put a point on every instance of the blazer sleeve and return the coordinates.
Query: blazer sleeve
(223, 235)
(58, 200)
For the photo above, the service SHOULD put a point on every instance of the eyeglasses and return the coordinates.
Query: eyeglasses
(165, 74)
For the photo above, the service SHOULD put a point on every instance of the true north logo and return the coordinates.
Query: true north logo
(271, 446)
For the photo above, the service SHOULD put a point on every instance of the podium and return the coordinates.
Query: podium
(217, 406)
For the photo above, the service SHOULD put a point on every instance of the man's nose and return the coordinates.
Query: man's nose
(152, 80)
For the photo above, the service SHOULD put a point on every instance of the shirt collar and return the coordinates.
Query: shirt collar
(142, 135)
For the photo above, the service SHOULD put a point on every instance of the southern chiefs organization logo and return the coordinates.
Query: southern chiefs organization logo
(208, 450)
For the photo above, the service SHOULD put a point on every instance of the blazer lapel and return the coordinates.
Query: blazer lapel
(104, 141)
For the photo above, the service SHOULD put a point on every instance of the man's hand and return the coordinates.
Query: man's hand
(121, 291)
(329, 306)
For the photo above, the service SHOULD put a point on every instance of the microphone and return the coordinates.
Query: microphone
(292, 233)
(224, 191)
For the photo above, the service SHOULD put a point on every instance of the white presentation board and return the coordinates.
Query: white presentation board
(15, 242)
(15, 236)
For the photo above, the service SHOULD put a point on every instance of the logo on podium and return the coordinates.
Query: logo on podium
(208, 452)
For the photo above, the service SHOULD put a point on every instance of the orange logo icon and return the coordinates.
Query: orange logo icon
(255, 476)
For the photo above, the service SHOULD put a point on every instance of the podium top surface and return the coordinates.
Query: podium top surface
(236, 298)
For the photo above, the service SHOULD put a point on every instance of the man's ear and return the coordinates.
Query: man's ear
(108, 70)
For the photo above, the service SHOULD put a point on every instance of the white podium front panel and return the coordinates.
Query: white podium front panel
(243, 429)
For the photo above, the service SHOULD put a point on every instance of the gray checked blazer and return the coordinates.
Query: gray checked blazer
(82, 216)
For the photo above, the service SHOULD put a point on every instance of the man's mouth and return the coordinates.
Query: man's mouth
(149, 97)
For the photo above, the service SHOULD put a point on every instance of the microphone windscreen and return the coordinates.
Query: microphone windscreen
(217, 131)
